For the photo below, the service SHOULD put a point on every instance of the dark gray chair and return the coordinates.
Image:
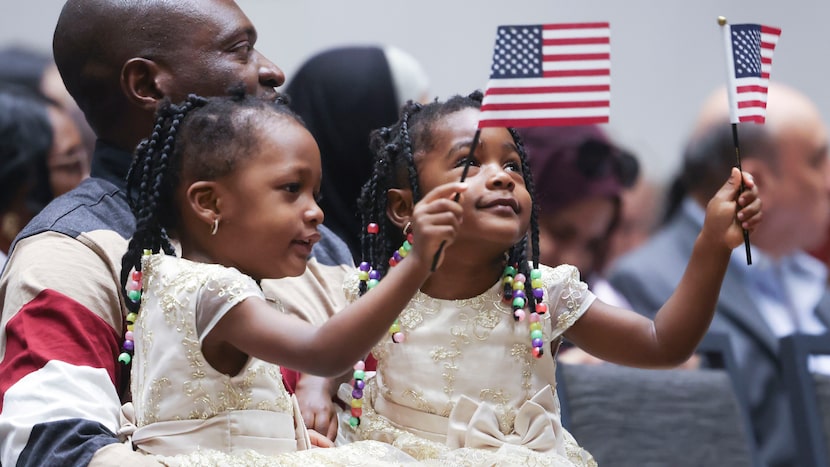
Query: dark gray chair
(634, 417)
(809, 395)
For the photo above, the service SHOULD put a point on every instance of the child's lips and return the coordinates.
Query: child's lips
(501, 203)
(307, 242)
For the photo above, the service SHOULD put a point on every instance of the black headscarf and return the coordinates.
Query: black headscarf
(343, 94)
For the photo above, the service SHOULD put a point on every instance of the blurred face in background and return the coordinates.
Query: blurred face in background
(577, 234)
(68, 160)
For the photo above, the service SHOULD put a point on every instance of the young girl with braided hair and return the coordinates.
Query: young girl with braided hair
(466, 375)
(234, 180)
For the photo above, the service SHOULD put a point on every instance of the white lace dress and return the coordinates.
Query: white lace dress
(464, 389)
(184, 412)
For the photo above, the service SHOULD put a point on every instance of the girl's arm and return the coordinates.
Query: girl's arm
(256, 329)
(625, 337)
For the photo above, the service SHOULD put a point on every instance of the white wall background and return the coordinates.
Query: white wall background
(666, 55)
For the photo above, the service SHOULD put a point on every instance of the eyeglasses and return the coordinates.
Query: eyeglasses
(597, 159)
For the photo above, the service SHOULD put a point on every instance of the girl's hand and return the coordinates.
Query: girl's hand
(314, 397)
(435, 220)
(726, 218)
(318, 440)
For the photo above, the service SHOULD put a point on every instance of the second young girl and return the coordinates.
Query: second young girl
(234, 180)
(467, 374)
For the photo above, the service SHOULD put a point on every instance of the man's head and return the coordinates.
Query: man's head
(787, 157)
(120, 58)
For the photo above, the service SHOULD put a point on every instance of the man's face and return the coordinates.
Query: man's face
(802, 183)
(215, 51)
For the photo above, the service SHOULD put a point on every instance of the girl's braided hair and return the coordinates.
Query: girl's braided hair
(394, 167)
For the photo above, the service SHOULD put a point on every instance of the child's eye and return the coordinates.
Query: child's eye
(292, 187)
(461, 162)
(513, 166)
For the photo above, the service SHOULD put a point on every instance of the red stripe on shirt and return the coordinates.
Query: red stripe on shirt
(55, 327)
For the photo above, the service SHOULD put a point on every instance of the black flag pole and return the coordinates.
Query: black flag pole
(467, 163)
(730, 73)
(742, 187)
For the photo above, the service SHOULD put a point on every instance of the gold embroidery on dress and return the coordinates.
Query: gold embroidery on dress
(521, 352)
(155, 395)
(505, 414)
(418, 397)
(452, 344)
(203, 393)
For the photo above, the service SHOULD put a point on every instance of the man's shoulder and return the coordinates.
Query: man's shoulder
(96, 204)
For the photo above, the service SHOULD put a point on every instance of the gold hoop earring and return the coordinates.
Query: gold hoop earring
(215, 226)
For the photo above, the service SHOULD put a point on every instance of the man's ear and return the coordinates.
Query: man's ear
(140, 83)
(399, 206)
(204, 199)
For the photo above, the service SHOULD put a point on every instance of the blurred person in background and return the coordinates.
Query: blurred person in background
(37, 71)
(784, 291)
(42, 157)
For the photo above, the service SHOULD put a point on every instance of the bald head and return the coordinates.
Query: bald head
(94, 38)
(120, 58)
(786, 108)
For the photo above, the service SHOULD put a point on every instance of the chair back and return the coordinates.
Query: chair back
(634, 417)
(809, 395)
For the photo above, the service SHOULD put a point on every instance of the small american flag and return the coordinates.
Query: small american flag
(549, 75)
(749, 50)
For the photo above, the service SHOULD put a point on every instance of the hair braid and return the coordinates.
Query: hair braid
(154, 163)
(407, 151)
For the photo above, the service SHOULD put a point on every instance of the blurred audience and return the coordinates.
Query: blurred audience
(37, 71)
(580, 178)
(641, 208)
(343, 94)
(26, 140)
(784, 291)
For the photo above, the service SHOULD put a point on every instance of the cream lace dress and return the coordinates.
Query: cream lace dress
(464, 389)
(185, 412)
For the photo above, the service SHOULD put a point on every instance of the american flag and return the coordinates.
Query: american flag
(749, 50)
(548, 75)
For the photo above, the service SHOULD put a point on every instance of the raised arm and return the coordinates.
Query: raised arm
(625, 337)
(255, 329)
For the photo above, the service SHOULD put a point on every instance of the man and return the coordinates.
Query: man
(62, 309)
(784, 290)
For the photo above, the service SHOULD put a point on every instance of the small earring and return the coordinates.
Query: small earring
(407, 229)
(215, 226)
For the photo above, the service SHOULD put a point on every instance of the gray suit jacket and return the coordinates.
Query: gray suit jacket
(648, 276)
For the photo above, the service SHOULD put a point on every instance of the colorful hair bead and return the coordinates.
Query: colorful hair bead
(369, 278)
(515, 293)
(357, 393)
(133, 287)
